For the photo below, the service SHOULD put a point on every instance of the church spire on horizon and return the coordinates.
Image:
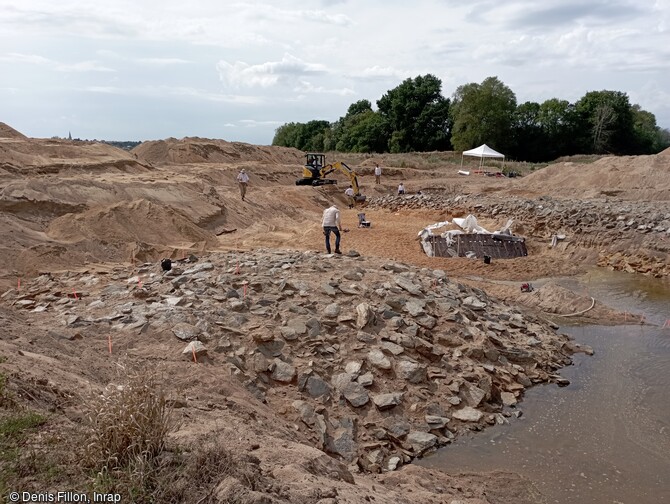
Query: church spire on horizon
(69, 135)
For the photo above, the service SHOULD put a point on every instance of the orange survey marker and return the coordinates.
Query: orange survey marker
(194, 357)
(109, 343)
(18, 284)
(75, 293)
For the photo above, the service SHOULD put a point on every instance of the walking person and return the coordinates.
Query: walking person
(331, 224)
(378, 174)
(349, 193)
(243, 180)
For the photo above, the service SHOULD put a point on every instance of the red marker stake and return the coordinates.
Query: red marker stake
(18, 284)
(194, 358)
(109, 343)
(75, 293)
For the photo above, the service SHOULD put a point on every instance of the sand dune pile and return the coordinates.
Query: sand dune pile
(201, 150)
(9, 132)
(135, 221)
(52, 155)
(629, 177)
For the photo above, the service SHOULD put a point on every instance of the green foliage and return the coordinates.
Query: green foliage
(606, 123)
(417, 115)
(14, 429)
(414, 116)
(483, 113)
(304, 136)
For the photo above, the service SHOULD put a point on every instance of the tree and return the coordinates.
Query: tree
(360, 130)
(304, 136)
(605, 121)
(416, 115)
(529, 140)
(558, 121)
(483, 113)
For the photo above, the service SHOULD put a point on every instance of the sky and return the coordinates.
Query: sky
(237, 70)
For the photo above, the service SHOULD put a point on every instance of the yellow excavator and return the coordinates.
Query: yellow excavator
(316, 170)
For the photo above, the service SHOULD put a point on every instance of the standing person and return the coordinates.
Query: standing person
(378, 174)
(243, 180)
(331, 224)
(349, 192)
(401, 188)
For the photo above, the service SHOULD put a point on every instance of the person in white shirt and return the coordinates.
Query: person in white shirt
(331, 224)
(243, 180)
(401, 188)
(349, 193)
(378, 174)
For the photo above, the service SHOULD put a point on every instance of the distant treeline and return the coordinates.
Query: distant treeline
(416, 117)
(127, 145)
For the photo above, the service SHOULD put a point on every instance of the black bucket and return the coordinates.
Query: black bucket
(487, 259)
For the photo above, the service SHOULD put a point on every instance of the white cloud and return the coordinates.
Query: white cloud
(307, 87)
(224, 62)
(271, 73)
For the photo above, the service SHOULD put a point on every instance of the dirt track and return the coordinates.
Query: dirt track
(87, 212)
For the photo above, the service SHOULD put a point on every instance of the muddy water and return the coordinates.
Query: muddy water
(605, 438)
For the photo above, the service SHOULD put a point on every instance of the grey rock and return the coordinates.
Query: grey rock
(185, 332)
(467, 414)
(408, 285)
(377, 359)
(317, 387)
(332, 310)
(282, 371)
(387, 401)
(363, 315)
(353, 368)
(473, 303)
(421, 441)
(355, 394)
(413, 372)
(472, 394)
(366, 379)
(436, 422)
(194, 347)
(508, 398)
(391, 348)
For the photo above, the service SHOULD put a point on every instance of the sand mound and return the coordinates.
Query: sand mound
(7, 131)
(202, 150)
(640, 177)
(139, 221)
(23, 154)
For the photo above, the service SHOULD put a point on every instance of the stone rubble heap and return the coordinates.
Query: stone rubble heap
(587, 223)
(375, 362)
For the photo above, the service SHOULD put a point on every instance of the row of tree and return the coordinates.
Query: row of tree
(415, 116)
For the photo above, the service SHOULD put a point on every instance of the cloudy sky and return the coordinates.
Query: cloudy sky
(236, 70)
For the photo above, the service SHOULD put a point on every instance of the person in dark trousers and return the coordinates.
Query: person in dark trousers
(243, 181)
(331, 224)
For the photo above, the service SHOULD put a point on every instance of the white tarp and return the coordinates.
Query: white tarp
(483, 151)
(468, 225)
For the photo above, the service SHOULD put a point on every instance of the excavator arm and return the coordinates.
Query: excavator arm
(351, 174)
(315, 174)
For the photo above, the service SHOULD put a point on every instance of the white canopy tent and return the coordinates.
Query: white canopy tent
(483, 151)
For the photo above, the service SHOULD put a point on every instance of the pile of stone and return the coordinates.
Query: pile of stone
(375, 362)
(593, 223)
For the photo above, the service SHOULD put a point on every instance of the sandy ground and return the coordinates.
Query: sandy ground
(78, 206)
